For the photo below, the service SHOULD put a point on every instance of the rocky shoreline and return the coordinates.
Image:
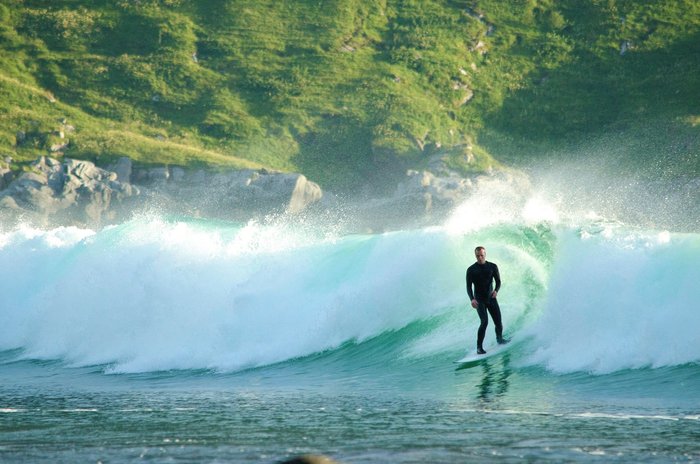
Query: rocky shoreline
(54, 192)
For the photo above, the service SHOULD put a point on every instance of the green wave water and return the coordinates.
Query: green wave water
(199, 341)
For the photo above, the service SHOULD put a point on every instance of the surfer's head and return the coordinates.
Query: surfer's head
(480, 253)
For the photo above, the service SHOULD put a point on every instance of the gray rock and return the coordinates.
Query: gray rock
(419, 197)
(304, 194)
(270, 191)
(123, 168)
(71, 191)
(78, 192)
(151, 176)
(235, 194)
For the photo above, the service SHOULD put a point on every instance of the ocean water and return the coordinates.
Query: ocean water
(187, 340)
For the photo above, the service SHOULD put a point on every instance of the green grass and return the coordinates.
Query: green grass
(346, 90)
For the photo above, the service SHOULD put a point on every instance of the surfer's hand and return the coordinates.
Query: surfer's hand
(475, 304)
(494, 294)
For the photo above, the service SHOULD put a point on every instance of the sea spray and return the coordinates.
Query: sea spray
(158, 295)
(620, 299)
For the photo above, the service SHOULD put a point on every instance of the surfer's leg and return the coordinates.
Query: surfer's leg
(495, 312)
(484, 318)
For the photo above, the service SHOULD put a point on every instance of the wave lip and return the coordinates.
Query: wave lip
(620, 300)
(153, 296)
(150, 295)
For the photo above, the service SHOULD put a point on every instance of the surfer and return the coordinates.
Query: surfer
(481, 276)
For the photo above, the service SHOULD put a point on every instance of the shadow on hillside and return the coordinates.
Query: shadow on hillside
(594, 95)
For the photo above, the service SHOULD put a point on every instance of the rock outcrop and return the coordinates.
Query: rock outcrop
(50, 191)
(235, 194)
(68, 191)
(54, 192)
(422, 198)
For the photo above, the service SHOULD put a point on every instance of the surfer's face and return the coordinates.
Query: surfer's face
(480, 256)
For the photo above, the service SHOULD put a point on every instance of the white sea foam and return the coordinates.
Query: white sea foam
(621, 300)
(156, 295)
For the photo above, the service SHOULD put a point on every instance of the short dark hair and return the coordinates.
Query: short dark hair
(479, 248)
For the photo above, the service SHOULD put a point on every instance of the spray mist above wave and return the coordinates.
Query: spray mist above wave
(618, 296)
(153, 295)
(651, 196)
(574, 195)
(516, 200)
(620, 299)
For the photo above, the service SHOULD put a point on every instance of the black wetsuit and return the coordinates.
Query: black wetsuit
(481, 277)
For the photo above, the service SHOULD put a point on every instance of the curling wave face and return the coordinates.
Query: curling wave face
(154, 294)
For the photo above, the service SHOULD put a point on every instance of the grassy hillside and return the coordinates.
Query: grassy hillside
(344, 90)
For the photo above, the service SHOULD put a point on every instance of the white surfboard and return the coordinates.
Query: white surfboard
(472, 356)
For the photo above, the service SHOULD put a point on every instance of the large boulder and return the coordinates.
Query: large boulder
(431, 193)
(78, 192)
(122, 167)
(421, 198)
(68, 191)
(292, 191)
(228, 194)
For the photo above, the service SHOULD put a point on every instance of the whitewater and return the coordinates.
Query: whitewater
(182, 339)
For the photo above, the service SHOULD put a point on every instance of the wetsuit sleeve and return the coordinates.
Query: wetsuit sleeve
(469, 286)
(496, 277)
